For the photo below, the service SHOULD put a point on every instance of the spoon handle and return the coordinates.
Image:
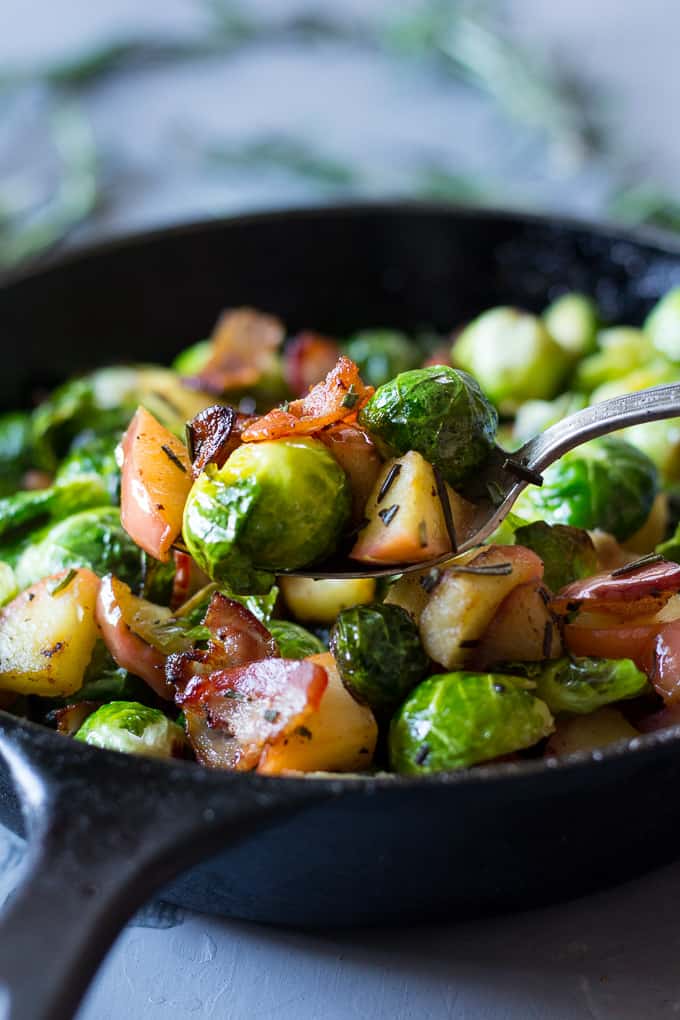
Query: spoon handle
(599, 420)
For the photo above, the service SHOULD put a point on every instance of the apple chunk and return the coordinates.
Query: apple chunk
(522, 629)
(47, 635)
(405, 518)
(463, 603)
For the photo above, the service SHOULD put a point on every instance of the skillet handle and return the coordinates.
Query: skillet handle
(105, 831)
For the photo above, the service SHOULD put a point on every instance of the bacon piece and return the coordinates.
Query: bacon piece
(208, 437)
(233, 714)
(238, 638)
(308, 358)
(338, 398)
(244, 343)
(640, 592)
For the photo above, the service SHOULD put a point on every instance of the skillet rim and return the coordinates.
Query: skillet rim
(641, 747)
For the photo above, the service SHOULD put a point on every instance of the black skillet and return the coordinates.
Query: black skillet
(105, 830)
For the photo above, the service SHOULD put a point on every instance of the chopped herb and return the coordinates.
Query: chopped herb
(171, 455)
(644, 561)
(351, 398)
(285, 405)
(387, 484)
(64, 582)
(430, 580)
(189, 435)
(422, 753)
(235, 695)
(492, 570)
(304, 732)
(443, 494)
(271, 715)
(388, 514)
(422, 534)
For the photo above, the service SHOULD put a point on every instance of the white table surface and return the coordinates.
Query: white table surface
(613, 956)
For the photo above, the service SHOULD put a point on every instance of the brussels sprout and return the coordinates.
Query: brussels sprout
(379, 654)
(15, 449)
(513, 357)
(455, 720)
(192, 359)
(536, 415)
(8, 584)
(24, 513)
(294, 641)
(439, 412)
(90, 456)
(568, 554)
(572, 320)
(662, 325)
(582, 685)
(606, 484)
(92, 538)
(133, 728)
(381, 354)
(261, 606)
(273, 506)
(622, 350)
(670, 549)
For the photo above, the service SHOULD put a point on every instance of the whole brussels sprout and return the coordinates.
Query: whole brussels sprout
(192, 359)
(15, 449)
(536, 415)
(92, 538)
(513, 357)
(621, 350)
(133, 728)
(273, 506)
(662, 325)
(572, 320)
(439, 412)
(294, 641)
(25, 513)
(381, 354)
(457, 719)
(379, 654)
(568, 554)
(91, 456)
(606, 484)
(582, 685)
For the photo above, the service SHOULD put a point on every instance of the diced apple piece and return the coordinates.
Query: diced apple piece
(47, 635)
(405, 517)
(522, 630)
(339, 736)
(462, 605)
(155, 483)
(412, 591)
(320, 601)
(588, 732)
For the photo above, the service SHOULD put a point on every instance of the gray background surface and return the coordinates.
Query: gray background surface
(611, 956)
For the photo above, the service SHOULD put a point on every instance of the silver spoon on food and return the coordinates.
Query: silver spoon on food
(490, 494)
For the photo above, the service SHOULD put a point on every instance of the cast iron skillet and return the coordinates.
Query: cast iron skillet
(105, 830)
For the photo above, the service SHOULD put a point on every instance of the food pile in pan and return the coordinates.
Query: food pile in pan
(149, 517)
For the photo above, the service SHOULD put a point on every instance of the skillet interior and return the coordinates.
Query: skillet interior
(401, 851)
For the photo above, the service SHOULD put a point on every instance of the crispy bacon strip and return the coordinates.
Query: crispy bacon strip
(238, 638)
(338, 398)
(309, 357)
(233, 714)
(243, 343)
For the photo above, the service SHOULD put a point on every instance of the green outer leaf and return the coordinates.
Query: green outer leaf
(438, 411)
(457, 719)
(582, 685)
(568, 554)
(133, 728)
(294, 641)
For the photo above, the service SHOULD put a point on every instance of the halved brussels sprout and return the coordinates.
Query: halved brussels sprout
(438, 411)
(294, 641)
(662, 325)
(92, 538)
(568, 553)
(381, 354)
(582, 685)
(274, 506)
(513, 357)
(536, 415)
(621, 350)
(379, 654)
(607, 484)
(572, 320)
(132, 728)
(455, 720)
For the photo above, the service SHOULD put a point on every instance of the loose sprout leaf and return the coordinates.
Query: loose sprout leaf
(582, 685)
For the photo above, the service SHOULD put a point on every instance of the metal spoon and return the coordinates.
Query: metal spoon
(496, 486)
